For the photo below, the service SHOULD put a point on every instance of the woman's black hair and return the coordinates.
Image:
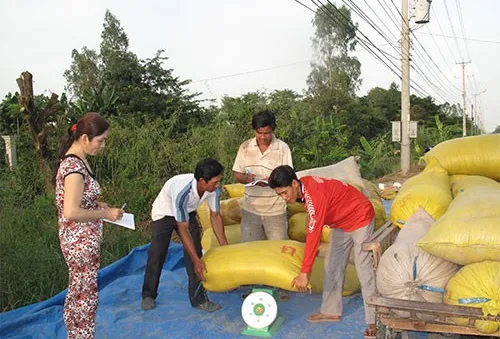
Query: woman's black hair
(90, 123)
(208, 169)
(282, 176)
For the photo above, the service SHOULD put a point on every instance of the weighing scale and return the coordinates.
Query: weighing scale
(260, 313)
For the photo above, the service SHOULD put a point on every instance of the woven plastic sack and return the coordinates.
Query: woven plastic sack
(297, 225)
(371, 189)
(416, 228)
(407, 272)
(230, 209)
(469, 231)
(346, 170)
(477, 285)
(430, 189)
(351, 281)
(475, 155)
(235, 190)
(233, 236)
(460, 183)
(266, 262)
(295, 208)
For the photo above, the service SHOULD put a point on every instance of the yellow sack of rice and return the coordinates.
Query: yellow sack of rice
(230, 209)
(297, 225)
(380, 216)
(266, 262)
(460, 183)
(295, 208)
(233, 236)
(430, 189)
(477, 285)
(371, 189)
(475, 155)
(351, 281)
(469, 231)
(235, 190)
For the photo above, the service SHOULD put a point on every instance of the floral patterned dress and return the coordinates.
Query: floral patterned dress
(81, 247)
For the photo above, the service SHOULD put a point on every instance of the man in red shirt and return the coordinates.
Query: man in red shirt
(350, 215)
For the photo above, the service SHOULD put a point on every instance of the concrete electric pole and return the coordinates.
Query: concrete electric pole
(476, 113)
(464, 110)
(405, 89)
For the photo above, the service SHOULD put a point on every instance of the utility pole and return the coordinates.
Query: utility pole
(405, 89)
(472, 119)
(464, 110)
(476, 113)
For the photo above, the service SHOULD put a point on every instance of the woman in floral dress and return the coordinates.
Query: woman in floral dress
(80, 217)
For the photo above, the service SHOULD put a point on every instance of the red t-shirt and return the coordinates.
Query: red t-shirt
(333, 203)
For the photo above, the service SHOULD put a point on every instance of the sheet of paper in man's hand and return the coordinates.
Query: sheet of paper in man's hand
(126, 221)
(257, 183)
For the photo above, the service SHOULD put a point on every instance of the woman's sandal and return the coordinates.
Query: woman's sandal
(322, 318)
(371, 332)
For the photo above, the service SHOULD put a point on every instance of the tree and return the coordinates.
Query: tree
(10, 115)
(333, 69)
(116, 82)
(38, 119)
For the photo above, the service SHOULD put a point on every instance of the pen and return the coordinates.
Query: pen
(123, 207)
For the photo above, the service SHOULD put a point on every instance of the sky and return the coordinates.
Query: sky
(231, 47)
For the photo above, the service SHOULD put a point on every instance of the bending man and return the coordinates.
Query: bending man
(175, 209)
(350, 215)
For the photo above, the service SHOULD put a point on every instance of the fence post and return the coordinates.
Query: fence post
(10, 149)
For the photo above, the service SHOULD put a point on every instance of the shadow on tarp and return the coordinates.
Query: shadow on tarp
(120, 315)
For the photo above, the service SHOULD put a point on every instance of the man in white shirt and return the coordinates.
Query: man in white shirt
(263, 215)
(175, 209)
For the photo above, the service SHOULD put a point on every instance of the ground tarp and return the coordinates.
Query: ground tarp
(120, 315)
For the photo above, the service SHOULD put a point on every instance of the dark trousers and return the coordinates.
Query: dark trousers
(161, 233)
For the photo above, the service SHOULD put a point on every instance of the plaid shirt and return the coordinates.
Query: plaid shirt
(262, 200)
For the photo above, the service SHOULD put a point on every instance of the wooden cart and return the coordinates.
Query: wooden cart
(388, 322)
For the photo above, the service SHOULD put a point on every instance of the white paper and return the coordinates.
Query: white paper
(255, 182)
(126, 221)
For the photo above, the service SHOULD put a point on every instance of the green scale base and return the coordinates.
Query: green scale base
(266, 332)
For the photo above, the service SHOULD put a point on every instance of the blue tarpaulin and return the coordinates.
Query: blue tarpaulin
(120, 315)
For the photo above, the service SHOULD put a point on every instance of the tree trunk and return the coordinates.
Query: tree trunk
(37, 120)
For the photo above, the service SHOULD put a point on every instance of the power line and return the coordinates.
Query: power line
(263, 69)
(441, 29)
(382, 21)
(424, 60)
(355, 8)
(439, 49)
(469, 39)
(462, 27)
(420, 91)
(332, 16)
(390, 15)
(360, 40)
(452, 29)
(250, 72)
(309, 8)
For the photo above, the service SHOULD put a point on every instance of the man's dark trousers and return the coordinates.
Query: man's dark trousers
(161, 233)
